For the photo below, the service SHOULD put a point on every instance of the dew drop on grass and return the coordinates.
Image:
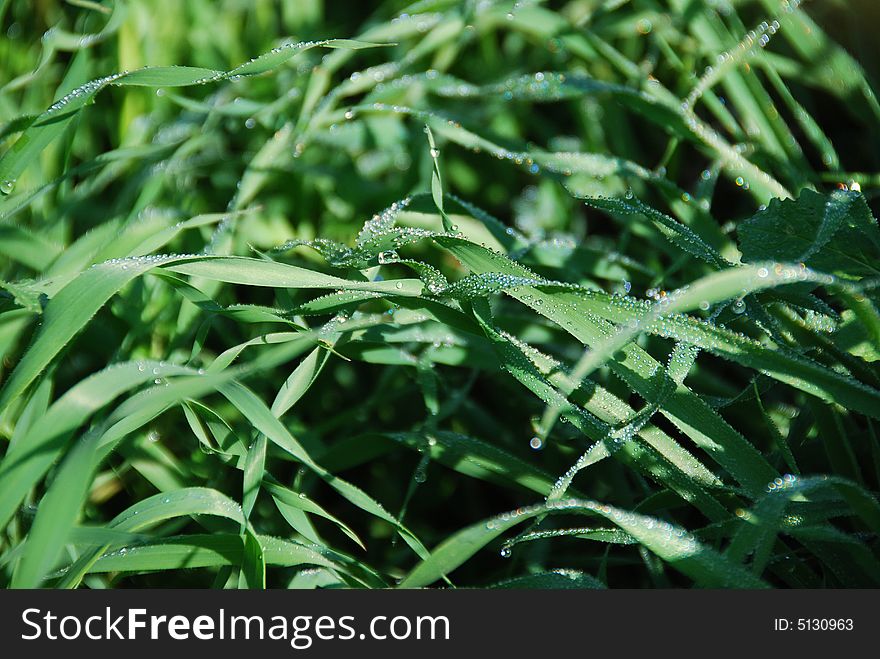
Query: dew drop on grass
(389, 256)
(7, 186)
(536, 443)
(250, 122)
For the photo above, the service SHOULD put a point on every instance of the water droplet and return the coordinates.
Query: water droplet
(536, 443)
(7, 186)
(389, 256)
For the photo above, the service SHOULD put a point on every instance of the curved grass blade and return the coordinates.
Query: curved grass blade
(48, 126)
(677, 548)
(636, 367)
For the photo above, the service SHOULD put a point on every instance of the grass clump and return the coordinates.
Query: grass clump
(532, 294)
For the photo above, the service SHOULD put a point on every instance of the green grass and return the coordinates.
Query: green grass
(538, 294)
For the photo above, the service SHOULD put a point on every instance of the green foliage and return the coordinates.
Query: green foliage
(835, 234)
(573, 294)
